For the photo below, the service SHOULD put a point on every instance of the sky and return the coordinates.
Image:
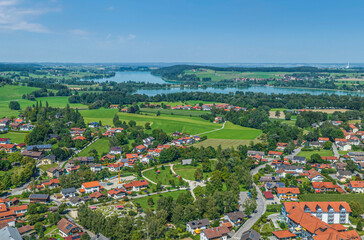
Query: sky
(208, 31)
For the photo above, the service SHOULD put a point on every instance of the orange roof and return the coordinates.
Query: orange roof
(284, 234)
(131, 155)
(140, 147)
(327, 185)
(91, 184)
(274, 153)
(323, 139)
(3, 207)
(7, 146)
(288, 190)
(140, 183)
(357, 184)
(79, 138)
(314, 205)
(19, 208)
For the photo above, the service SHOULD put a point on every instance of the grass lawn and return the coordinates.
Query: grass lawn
(322, 153)
(60, 101)
(225, 143)
(357, 197)
(232, 131)
(143, 201)
(188, 171)
(15, 137)
(12, 171)
(174, 112)
(47, 166)
(164, 176)
(101, 146)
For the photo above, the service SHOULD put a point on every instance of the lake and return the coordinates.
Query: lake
(148, 77)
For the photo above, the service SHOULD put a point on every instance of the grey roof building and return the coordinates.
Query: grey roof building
(9, 233)
(99, 236)
(250, 235)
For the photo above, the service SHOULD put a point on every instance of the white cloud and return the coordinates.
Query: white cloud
(79, 32)
(13, 17)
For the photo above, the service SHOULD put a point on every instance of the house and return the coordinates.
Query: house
(116, 150)
(51, 184)
(284, 235)
(95, 167)
(108, 157)
(316, 144)
(236, 218)
(116, 193)
(323, 139)
(81, 138)
(90, 187)
(54, 172)
(9, 148)
(140, 148)
(281, 146)
(268, 195)
(43, 147)
(25, 229)
(82, 160)
(288, 194)
(39, 198)
(215, 233)
(50, 159)
(139, 185)
(68, 192)
(186, 161)
(67, 228)
(97, 195)
(269, 179)
(298, 159)
(343, 175)
(340, 166)
(273, 185)
(356, 186)
(93, 125)
(323, 187)
(252, 153)
(32, 154)
(250, 235)
(315, 176)
(4, 140)
(26, 127)
(275, 154)
(75, 201)
(195, 227)
(10, 233)
(328, 212)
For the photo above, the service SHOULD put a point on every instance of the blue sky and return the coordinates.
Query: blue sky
(216, 31)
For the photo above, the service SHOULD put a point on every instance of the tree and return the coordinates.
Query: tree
(249, 206)
(287, 116)
(14, 105)
(356, 208)
(359, 226)
(278, 114)
(85, 236)
(327, 145)
(198, 174)
(254, 192)
(150, 201)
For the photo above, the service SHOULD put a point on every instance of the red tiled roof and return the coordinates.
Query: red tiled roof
(288, 190)
(284, 234)
(91, 184)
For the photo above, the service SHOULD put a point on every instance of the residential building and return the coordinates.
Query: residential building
(215, 233)
(250, 235)
(195, 227)
(323, 187)
(54, 172)
(9, 233)
(39, 198)
(67, 228)
(315, 176)
(288, 194)
(50, 159)
(236, 218)
(68, 192)
(116, 150)
(116, 193)
(90, 187)
(356, 186)
(284, 235)
(343, 175)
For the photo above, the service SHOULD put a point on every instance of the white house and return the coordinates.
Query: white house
(90, 187)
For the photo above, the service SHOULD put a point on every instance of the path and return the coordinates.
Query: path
(336, 152)
(192, 184)
(153, 168)
(261, 208)
(294, 153)
(223, 125)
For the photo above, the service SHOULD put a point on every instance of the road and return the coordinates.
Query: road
(294, 153)
(336, 152)
(223, 125)
(261, 208)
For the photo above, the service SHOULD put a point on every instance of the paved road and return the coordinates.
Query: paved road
(336, 152)
(294, 153)
(261, 207)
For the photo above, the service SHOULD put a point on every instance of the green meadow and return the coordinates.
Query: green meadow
(164, 176)
(322, 153)
(15, 137)
(232, 131)
(188, 171)
(143, 201)
(101, 145)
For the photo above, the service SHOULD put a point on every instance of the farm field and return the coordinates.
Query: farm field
(307, 154)
(101, 145)
(188, 171)
(308, 197)
(169, 123)
(15, 137)
(165, 176)
(232, 131)
(143, 201)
